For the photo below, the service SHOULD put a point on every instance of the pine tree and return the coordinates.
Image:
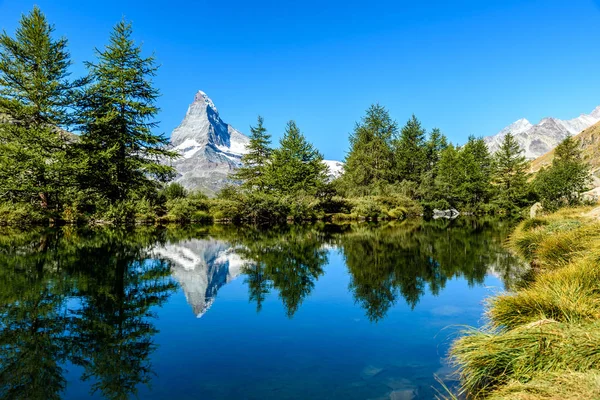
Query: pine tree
(123, 154)
(510, 174)
(252, 173)
(436, 143)
(477, 169)
(567, 177)
(296, 165)
(448, 182)
(370, 159)
(410, 151)
(36, 95)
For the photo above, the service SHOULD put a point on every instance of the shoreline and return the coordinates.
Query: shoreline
(542, 340)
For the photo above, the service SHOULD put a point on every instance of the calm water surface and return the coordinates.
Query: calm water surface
(298, 312)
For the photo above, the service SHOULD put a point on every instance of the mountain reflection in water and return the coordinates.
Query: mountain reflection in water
(88, 299)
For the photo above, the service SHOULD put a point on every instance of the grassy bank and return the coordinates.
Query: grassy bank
(543, 340)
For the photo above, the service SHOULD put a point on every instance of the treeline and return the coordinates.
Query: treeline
(115, 168)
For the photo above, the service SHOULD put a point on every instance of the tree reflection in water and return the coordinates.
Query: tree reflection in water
(88, 297)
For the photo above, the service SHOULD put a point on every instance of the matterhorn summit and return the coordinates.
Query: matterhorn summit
(536, 140)
(209, 148)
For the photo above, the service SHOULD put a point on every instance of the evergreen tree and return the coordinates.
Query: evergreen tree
(477, 169)
(436, 143)
(118, 110)
(296, 165)
(510, 174)
(567, 177)
(252, 173)
(35, 99)
(370, 159)
(448, 182)
(410, 151)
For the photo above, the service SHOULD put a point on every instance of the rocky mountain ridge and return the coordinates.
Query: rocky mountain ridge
(542, 137)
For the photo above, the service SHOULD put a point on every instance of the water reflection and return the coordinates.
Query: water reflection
(81, 297)
(89, 298)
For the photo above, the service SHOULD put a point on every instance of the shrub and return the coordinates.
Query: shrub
(123, 212)
(21, 214)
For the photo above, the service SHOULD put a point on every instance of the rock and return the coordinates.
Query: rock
(405, 394)
(535, 210)
(449, 214)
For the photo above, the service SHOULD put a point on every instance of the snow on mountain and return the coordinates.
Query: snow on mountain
(538, 139)
(201, 267)
(335, 169)
(210, 149)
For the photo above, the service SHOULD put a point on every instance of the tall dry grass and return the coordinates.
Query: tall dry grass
(542, 341)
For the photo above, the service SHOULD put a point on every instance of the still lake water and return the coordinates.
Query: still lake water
(355, 311)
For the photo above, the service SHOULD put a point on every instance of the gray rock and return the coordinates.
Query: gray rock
(535, 210)
(449, 214)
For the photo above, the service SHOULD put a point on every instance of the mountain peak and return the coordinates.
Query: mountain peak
(203, 99)
(538, 139)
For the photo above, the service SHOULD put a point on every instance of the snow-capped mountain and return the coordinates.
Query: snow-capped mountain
(202, 267)
(539, 139)
(211, 149)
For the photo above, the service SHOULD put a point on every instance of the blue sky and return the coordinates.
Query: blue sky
(465, 66)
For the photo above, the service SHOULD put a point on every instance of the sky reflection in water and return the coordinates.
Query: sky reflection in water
(354, 311)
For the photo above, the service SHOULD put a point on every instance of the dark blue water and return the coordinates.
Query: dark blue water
(319, 312)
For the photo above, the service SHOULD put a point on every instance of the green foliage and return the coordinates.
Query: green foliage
(563, 183)
(510, 175)
(174, 190)
(256, 160)
(410, 151)
(370, 159)
(120, 153)
(20, 214)
(296, 166)
(35, 98)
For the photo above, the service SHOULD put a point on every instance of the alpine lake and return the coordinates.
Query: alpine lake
(320, 311)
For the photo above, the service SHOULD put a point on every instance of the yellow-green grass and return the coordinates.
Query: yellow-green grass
(553, 386)
(542, 341)
(487, 360)
(569, 294)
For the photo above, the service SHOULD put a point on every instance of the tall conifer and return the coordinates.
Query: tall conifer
(410, 151)
(296, 165)
(119, 110)
(255, 161)
(36, 96)
(370, 159)
(510, 174)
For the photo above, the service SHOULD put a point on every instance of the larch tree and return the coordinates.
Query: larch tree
(256, 160)
(410, 151)
(566, 179)
(36, 97)
(369, 162)
(122, 154)
(296, 166)
(510, 174)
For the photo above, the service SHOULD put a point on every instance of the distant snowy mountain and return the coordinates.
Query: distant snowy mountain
(539, 139)
(210, 149)
(335, 169)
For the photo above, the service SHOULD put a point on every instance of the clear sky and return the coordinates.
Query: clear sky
(465, 66)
